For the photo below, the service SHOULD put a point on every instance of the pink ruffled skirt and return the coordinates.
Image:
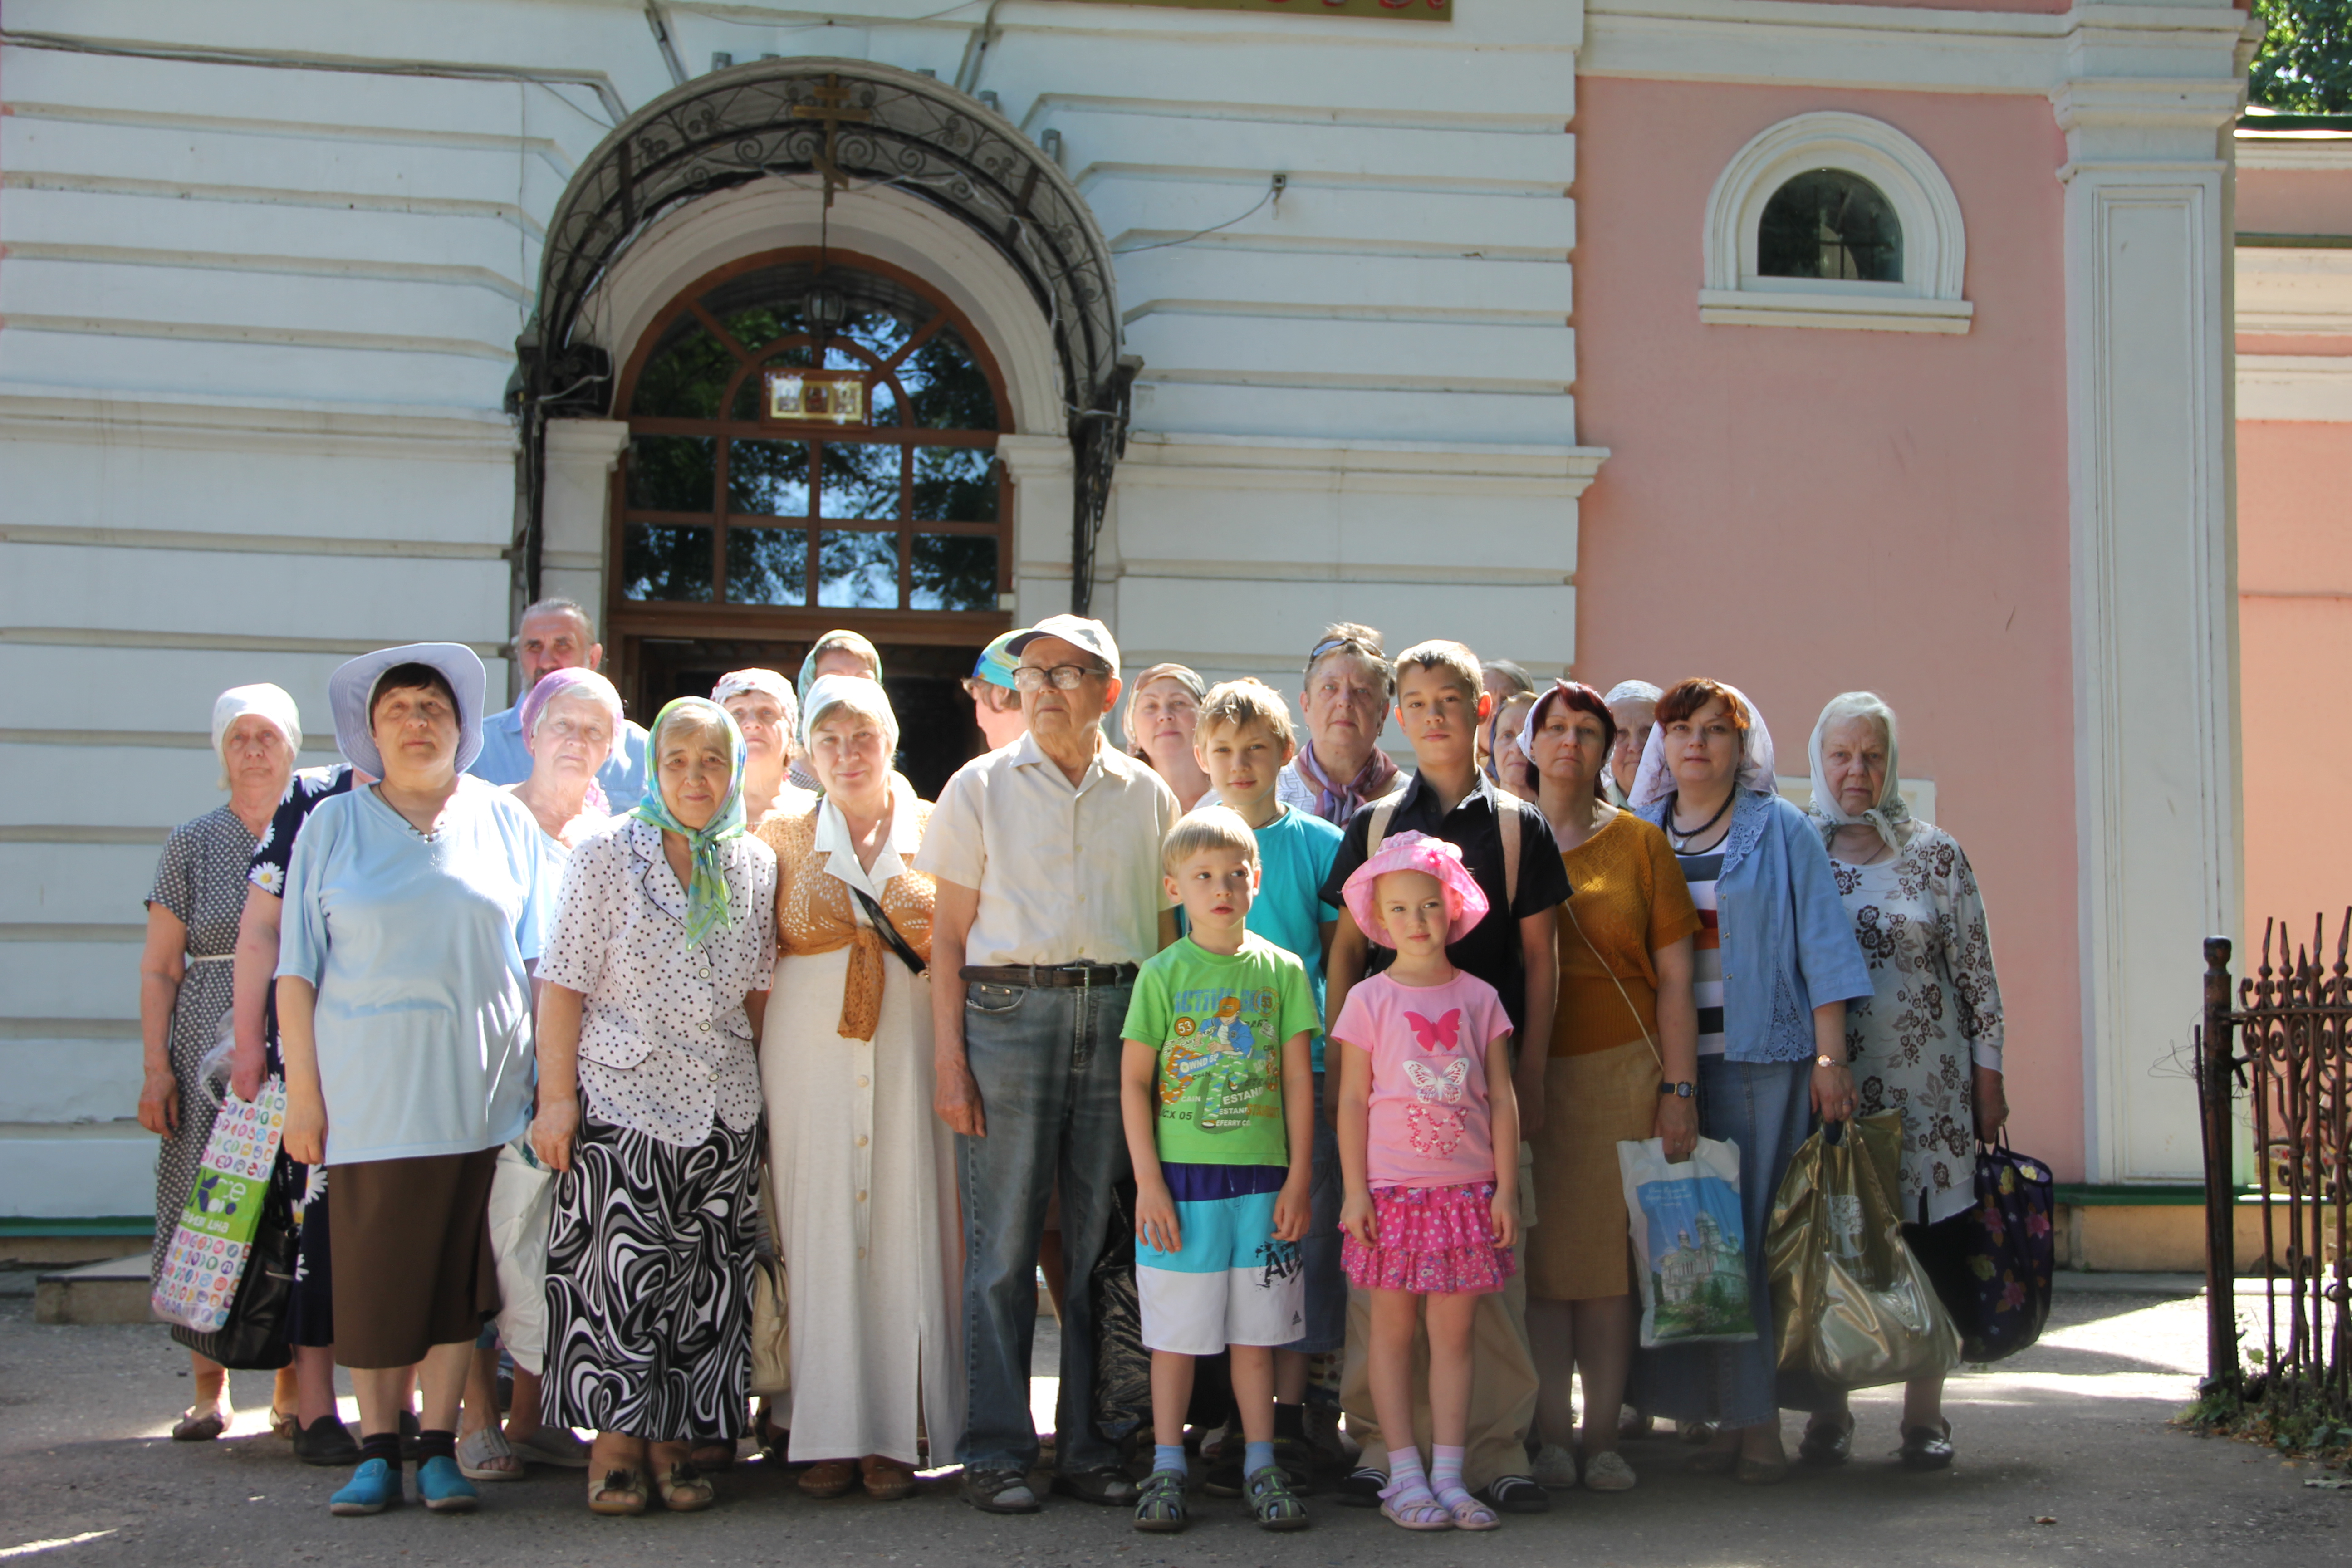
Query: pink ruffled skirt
(1435, 1241)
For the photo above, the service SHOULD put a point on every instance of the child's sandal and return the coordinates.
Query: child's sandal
(1413, 1508)
(1275, 1506)
(1467, 1511)
(1159, 1506)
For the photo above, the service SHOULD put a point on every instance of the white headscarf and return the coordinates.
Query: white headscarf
(1654, 781)
(861, 696)
(1632, 691)
(271, 703)
(1891, 816)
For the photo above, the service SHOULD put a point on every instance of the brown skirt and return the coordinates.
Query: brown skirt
(412, 1262)
(1577, 1248)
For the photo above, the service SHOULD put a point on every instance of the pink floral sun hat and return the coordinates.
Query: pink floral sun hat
(1465, 899)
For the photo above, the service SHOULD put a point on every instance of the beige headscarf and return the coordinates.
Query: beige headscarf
(272, 703)
(1891, 816)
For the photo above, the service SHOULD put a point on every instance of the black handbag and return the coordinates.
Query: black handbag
(1993, 1264)
(254, 1337)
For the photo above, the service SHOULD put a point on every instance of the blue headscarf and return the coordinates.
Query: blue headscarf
(706, 892)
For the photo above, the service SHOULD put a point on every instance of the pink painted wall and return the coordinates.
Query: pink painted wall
(2295, 638)
(2051, 7)
(2282, 200)
(1806, 511)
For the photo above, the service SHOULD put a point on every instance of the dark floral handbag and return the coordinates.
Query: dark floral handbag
(1992, 1263)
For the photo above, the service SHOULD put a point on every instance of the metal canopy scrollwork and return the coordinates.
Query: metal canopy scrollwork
(782, 117)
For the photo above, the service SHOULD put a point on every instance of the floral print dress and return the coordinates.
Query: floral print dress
(1934, 1012)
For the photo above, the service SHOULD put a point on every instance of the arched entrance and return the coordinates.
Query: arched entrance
(819, 344)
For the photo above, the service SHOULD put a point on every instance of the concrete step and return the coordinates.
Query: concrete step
(115, 1291)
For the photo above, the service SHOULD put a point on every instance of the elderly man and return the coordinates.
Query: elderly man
(1634, 704)
(1047, 857)
(556, 633)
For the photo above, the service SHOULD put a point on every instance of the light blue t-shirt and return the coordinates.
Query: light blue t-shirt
(505, 760)
(417, 947)
(1294, 852)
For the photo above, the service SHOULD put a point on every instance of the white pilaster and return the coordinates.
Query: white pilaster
(581, 456)
(1045, 480)
(2152, 536)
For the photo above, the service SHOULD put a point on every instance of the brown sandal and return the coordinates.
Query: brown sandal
(829, 1478)
(621, 1490)
(887, 1480)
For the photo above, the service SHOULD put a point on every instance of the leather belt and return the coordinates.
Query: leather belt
(1063, 976)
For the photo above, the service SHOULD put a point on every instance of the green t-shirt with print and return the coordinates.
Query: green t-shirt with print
(1219, 1024)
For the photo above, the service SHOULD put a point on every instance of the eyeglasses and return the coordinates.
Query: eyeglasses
(1063, 677)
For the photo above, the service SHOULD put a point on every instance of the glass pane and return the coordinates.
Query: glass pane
(954, 572)
(662, 562)
(767, 565)
(748, 395)
(884, 329)
(860, 481)
(761, 306)
(955, 484)
(881, 404)
(945, 386)
(1830, 224)
(768, 479)
(673, 473)
(858, 572)
(685, 376)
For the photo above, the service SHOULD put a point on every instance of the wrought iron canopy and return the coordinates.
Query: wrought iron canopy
(856, 122)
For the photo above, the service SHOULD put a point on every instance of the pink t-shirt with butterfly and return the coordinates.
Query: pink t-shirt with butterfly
(1429, 1126)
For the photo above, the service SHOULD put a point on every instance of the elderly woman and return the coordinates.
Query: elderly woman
(570, 721)
(1623, 1056)
(764, 707)
(1505, 757)
(654, 986)
(1348, 689)
(864, 1174)
(836, 653)
(995, 702)
(1633, 706)
(184, 978)
(1164, 708)
(1926, 1042)
(1775, 964)
(414, 907)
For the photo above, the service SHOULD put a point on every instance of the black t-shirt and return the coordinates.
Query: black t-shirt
(1491, 951)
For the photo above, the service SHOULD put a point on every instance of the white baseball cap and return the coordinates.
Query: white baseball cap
(1091, 635)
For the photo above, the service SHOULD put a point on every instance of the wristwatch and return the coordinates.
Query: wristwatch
(1679, 1090)
(1826, 1060)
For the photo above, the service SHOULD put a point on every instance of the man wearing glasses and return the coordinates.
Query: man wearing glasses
(1047, 857)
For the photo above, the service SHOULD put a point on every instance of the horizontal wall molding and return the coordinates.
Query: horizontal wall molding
(1135, 239)
(1051, 105)
(2295, 387)
(1095, 174)
(150, 739)
(1890, 313)
(188, 424)
(1889, 47)
(1313, 311)
(1205, 569)
(542, 147)
(432, 272)
(211, 642)
(1348, 381)
(2293, 151)
(273, 196)
(1154, 454)
(72, 931)
(77, 833)
(69, 1029)
(247, 544)
(274, 337)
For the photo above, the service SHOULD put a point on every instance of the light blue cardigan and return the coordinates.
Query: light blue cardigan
(1788, 941)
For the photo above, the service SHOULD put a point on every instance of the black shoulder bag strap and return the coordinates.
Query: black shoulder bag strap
(889, 932)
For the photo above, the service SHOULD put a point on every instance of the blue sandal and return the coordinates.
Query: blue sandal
(1159, 1510)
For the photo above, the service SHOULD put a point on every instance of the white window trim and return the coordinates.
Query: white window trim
(1935, 252)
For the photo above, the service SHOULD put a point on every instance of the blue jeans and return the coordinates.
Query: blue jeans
(1046, 1061)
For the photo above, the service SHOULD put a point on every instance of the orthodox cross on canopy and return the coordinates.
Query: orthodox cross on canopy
(831, 105)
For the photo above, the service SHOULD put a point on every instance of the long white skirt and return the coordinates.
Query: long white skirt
(865, 1206)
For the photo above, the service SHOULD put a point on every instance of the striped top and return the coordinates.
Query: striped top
(1707, 958)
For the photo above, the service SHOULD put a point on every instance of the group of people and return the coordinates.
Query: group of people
(586, 1031)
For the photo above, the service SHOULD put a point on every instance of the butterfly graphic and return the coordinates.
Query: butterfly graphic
(1444, 1035)
(1435, 1123)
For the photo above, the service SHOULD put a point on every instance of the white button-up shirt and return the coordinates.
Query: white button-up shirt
(1067, 874)
(665, 1042)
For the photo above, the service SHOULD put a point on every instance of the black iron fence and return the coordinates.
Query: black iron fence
(2283, 1043)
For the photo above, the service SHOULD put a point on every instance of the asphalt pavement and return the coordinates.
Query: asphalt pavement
(2066, 1456)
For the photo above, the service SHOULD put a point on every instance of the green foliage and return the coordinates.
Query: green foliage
(2305, 64)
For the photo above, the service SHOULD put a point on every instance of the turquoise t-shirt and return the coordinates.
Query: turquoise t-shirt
(1219, 1024)
(1295, 852)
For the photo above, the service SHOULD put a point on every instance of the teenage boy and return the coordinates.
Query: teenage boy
(1217, 1104)
(1508, 846)
(1243, 741)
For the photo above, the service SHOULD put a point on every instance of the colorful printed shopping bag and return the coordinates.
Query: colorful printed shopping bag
(208, 1251)
(1689, 1241)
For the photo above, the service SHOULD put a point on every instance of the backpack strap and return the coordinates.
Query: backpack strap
(1507, 819)
(1383, 811)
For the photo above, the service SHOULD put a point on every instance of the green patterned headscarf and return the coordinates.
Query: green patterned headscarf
(847, 642)
(706, 894)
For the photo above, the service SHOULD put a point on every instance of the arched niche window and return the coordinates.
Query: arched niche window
(813, 434)
(1830, 222)
(1834, 220)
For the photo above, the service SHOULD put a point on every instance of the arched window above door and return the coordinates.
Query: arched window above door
(813, 433)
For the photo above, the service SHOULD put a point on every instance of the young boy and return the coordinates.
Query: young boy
(1441, 699)
(1243, 740)
(1217, 1101)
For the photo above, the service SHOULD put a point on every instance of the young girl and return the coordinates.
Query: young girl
(1424, 1102)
